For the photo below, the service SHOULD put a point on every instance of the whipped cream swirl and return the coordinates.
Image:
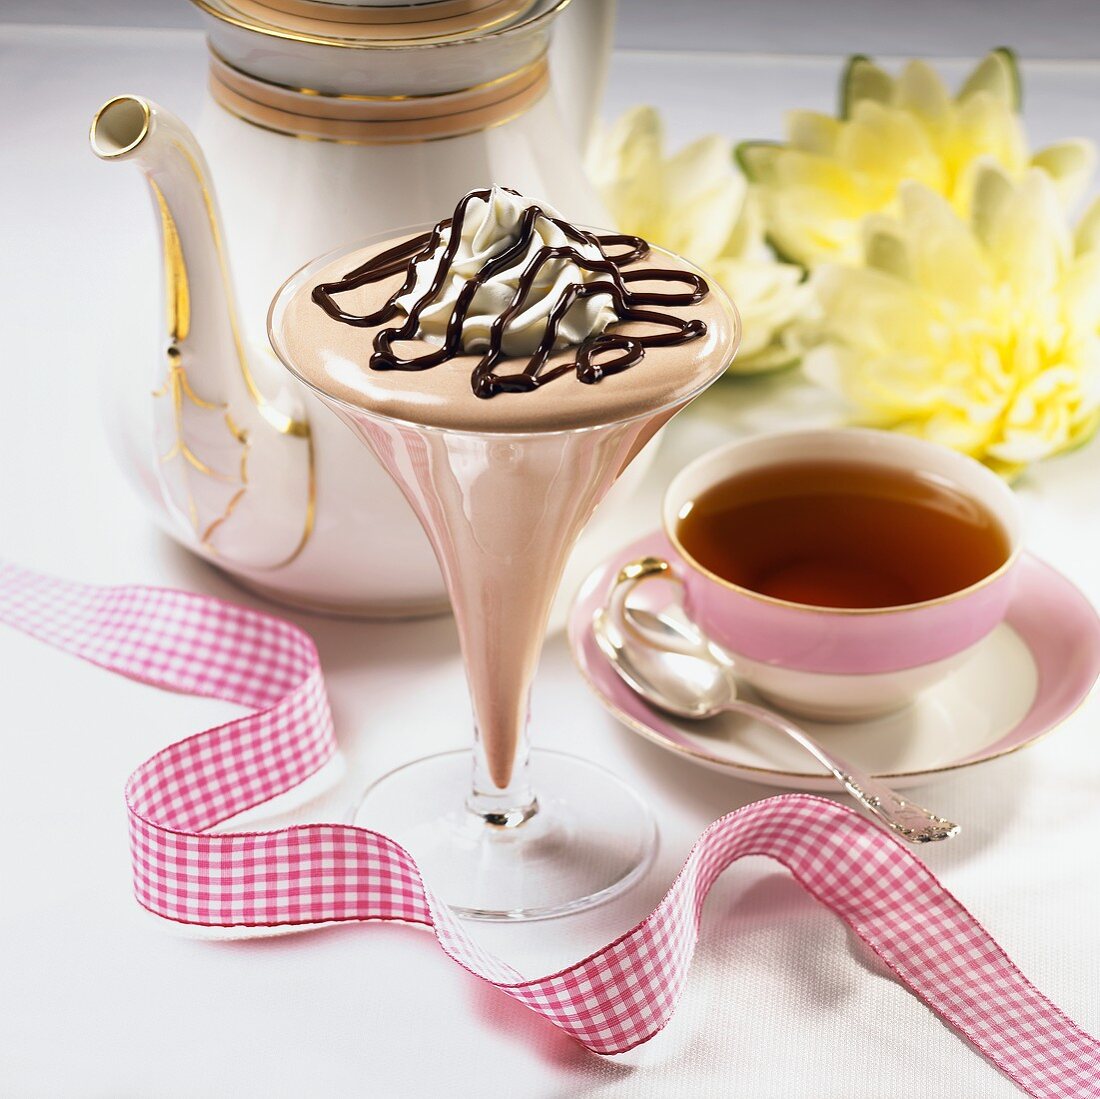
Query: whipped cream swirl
(491, 226)
(516, 284)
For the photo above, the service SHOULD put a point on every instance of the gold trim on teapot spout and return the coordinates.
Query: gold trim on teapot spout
(207, 397)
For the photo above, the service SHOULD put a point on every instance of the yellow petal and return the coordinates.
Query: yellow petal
(813, 208)
(825, 181)
(921, 90)
(986, 126)
(625, 166)
(1029, 243)
(757, 159)
(885, 146)
(632, 144)
(886, 247)
(807, 225)
(747, 239)
(1080, 293)
(945, 259)
(997, 74)
(702, 199)
(1087, 237)
(869, 310)
(992, 189)
(863, 79)
(700, 167)
(1070, 164)
(812, 132)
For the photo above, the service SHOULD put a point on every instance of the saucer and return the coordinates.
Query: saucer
(1019, 683)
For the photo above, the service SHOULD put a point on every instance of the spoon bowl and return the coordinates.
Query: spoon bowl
(688, 685)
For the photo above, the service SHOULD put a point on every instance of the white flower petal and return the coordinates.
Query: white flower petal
(697, 203)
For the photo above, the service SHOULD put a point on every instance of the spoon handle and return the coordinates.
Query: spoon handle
(907, 819)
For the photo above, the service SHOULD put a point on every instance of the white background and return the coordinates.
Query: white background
(97, 999)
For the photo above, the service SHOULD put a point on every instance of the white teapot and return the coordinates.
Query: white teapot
(327, 120)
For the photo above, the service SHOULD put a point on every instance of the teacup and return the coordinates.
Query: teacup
(843, 663)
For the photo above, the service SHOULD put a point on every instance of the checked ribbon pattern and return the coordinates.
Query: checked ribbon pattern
(610, 1001)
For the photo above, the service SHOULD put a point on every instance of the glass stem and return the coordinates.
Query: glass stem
(512, 806)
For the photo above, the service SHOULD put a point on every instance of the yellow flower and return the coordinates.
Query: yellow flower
(980, 333)
(696, 203)
(831, 172)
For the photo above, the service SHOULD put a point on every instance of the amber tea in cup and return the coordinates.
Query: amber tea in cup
(842, 534)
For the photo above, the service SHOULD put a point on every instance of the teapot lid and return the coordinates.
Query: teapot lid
(380, 23)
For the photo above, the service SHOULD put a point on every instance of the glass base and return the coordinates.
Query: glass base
(591, 838)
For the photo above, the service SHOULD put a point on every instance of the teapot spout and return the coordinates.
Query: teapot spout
(216, 432)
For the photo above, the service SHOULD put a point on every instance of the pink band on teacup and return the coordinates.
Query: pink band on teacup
(807, 639)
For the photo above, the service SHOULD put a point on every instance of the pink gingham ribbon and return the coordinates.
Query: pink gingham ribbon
(610, 1001)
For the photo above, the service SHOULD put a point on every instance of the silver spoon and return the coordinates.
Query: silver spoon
(671, 664)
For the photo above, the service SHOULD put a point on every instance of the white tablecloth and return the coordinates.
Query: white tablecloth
(99, 999)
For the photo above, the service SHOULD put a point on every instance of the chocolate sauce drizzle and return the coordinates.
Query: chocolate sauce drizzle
(592, 361)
